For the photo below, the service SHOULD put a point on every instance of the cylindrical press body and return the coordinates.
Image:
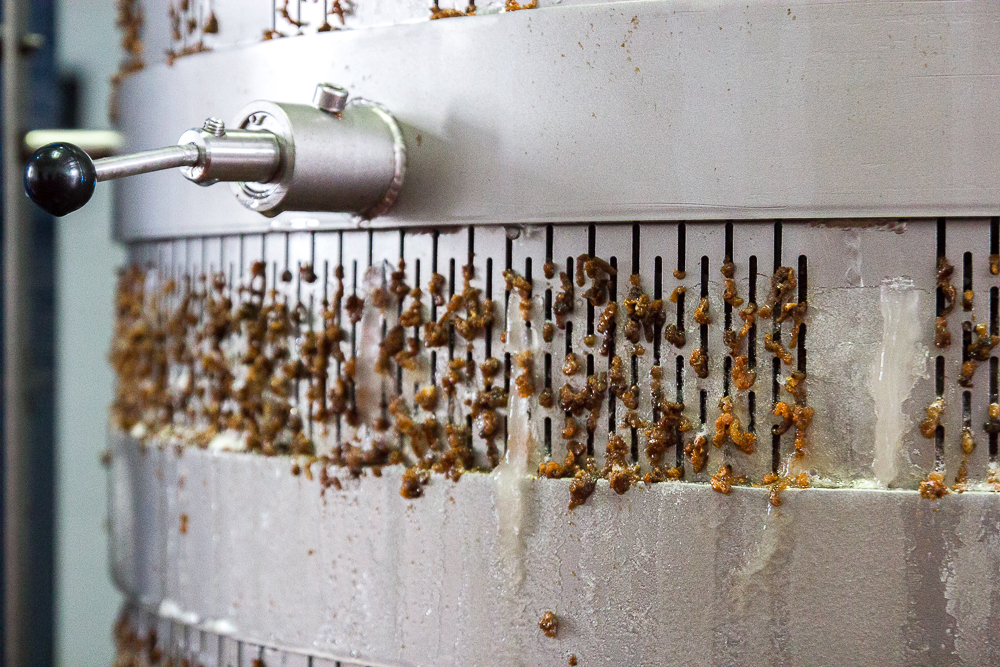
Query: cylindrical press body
(657, 275)
(352, 161)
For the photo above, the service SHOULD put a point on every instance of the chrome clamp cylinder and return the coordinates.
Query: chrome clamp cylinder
(352, 159)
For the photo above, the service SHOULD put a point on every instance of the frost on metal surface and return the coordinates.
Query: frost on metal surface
(362, 575)
(520, 460)
(902, 359)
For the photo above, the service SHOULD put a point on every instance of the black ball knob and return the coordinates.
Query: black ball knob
(60, 178)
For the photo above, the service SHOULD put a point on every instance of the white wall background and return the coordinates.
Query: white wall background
(86, 259)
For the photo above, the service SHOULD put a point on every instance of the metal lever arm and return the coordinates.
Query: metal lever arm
(60, 177)
(110, 168)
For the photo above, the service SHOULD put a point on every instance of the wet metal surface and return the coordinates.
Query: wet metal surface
(669, 574)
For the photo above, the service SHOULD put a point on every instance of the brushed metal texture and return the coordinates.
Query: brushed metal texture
(669, 574)
(622, 111)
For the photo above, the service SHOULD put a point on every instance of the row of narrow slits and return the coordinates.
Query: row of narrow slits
(290, 250)
(940, 379)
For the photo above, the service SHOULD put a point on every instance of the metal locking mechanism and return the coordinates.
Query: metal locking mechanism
(334, 155)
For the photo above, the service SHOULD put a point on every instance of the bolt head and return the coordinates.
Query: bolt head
(330, 98)
(214, 126)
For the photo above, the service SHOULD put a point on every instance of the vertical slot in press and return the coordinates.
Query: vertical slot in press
(727, 369)
(993, 399)
(776, 248)
(803, 298)
(657, 296)
(775, 391)
(941, 244)
(354, 292)
(635, 248)
(703, 331)
(489, 297)
(679, 398)
(633, 430)
(994, 314)
(939, 431)
(506, 389)
(681, 247)
(994, 298)
(966, 271)
(470, 271)
(752, 334)
(590, 431)
(508, 265)
(995, 236)
(434, 269)
(451, 293)
(402, 256)
(803, 278)
(592, 251)
(528, 277)
(612, 340)
(727, 308)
